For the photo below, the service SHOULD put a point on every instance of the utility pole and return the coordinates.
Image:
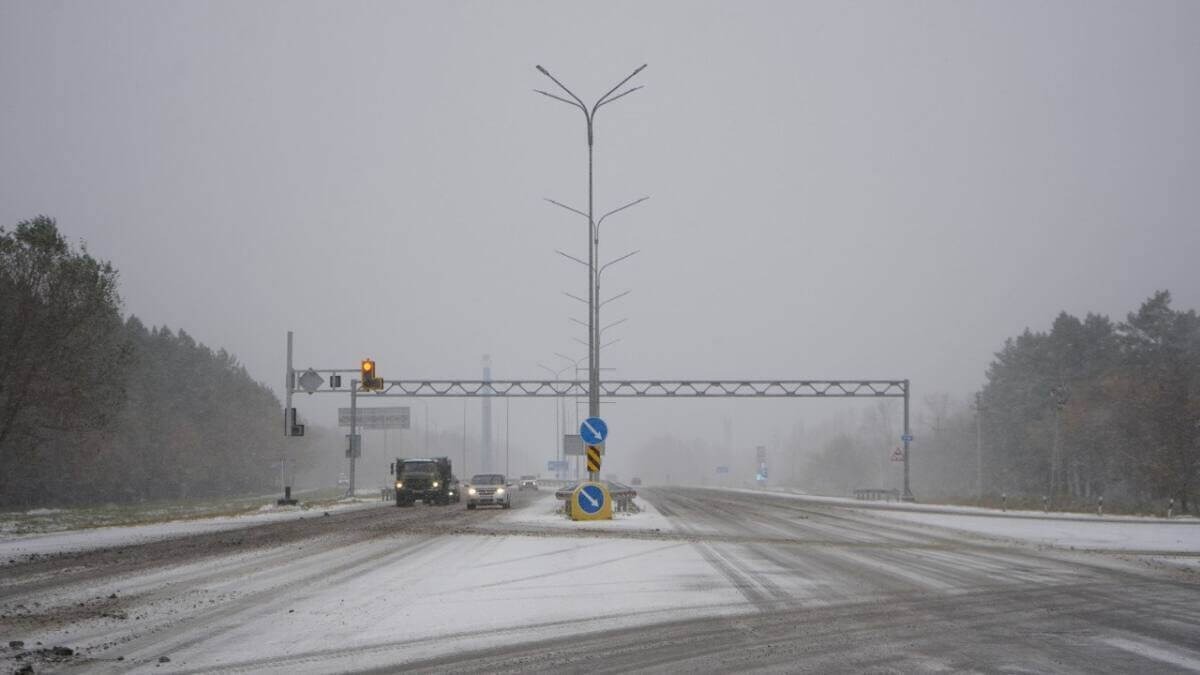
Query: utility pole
(593, 230)
(1059, 395)
(485, 421)
(908, 495)
(979, 448)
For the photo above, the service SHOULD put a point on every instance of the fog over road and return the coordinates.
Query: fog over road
(703, 580)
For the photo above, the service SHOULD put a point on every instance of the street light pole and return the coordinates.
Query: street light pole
(979, 448)
(593, 234)
(557, 417)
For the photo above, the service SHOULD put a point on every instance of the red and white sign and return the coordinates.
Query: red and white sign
(898, 455)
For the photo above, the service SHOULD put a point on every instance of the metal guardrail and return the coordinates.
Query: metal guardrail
(876, 494)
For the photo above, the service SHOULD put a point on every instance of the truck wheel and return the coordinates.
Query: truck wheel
(470, 507)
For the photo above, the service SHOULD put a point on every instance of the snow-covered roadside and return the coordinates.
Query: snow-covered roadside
(946, 508)
(1114, 535)
(16, 548)
(1132, 534)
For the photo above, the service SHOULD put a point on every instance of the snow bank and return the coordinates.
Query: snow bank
(12, 548)
(1115, 535)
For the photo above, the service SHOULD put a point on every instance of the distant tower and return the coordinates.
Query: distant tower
(485, 434)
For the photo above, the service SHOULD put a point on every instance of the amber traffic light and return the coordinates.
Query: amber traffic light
(369, 379)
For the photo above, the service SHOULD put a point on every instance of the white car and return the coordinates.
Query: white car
(489, 489)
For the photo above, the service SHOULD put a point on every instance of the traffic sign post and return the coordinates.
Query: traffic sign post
(593, 458)
(573, 445)
(591, 501)
(594, 431)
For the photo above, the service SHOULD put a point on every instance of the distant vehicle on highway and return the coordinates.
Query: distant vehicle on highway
(489, 489)
(527, 483)
(429, 480)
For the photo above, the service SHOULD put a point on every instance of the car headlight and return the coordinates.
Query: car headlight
(471, 491)
(399, 485)
(435, 483)
(499, 491)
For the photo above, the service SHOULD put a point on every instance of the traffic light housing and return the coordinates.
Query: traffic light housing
(370, 379)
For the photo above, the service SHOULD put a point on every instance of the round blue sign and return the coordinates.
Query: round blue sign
(590, 499)
(593, 431)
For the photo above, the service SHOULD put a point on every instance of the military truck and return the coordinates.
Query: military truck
(429, 480)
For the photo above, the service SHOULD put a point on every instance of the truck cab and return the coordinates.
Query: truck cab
(426, 479)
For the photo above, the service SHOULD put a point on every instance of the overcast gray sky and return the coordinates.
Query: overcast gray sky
(837, 189)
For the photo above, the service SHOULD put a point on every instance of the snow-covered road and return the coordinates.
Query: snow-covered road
(701, 579)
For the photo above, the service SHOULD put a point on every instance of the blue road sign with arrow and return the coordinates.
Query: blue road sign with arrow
(907, 438)
(591, 499)
(593, 431)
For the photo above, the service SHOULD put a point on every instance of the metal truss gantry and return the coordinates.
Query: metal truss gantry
(647, 388)
(542, 388)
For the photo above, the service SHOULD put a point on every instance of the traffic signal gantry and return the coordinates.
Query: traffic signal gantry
(310, 382)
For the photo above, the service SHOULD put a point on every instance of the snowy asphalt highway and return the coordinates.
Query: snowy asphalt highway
(703, 580)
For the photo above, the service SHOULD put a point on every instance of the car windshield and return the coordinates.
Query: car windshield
(487, 479)
(420, 467)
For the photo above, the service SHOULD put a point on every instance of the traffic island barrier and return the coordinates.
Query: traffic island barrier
(621, 495)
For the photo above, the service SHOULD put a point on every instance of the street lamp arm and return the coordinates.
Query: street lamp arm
(548, 369)
(620, 209)
(618, 96)
(571, 257)
(569, 92)
(569, 208)
(573, 104)
(615, 323)
(615, 297)
(574, 362)
(613, 262)
(576, 297)
(610, 91)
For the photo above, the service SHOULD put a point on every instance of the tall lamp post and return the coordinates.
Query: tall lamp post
(425, 405)
(589, 115)
(1059, 396)
(557, 417)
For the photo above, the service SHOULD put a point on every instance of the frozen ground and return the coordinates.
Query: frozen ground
(947, 508)
(701, 580)
(1070, 531)
(1103, 535)
(15, 547)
